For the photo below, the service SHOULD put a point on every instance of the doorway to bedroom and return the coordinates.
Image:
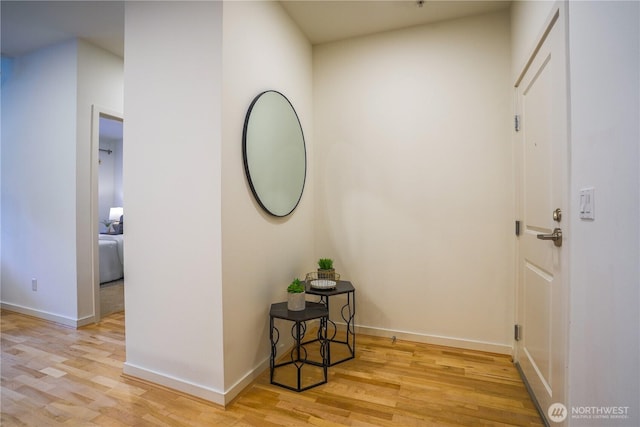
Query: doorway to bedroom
(108, 208)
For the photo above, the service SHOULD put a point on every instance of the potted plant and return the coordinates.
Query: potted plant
(296, 296)
(107, 223)
(325, 269)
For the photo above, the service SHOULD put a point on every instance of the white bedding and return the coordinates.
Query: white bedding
(111, 257)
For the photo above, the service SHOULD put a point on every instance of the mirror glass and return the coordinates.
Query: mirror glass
(275, 159)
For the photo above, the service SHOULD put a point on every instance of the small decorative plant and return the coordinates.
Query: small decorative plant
(325, 269)
(107, 223)
(325, 264)
(295, 287)
(296, 296)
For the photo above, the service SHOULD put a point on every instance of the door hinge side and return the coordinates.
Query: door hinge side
(517, 228)
(516, 122)
(517, 332)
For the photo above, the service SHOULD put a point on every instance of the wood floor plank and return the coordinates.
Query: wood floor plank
(57, 376)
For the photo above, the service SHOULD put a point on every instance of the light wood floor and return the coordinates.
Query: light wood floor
(52, 375)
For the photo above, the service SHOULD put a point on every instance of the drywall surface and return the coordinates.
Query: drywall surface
(262, 254)
(413, 173)
(39, 184)
(172, 187)
(604, 346)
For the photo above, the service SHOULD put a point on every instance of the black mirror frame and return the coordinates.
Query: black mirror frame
(245, 159)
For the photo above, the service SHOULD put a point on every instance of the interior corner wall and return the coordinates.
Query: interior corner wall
(39, 184)
(414, 179)
(263, 49)
(100, 82)
(604, 347)
(172, 186)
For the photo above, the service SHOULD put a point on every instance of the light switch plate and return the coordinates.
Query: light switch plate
(587, 203)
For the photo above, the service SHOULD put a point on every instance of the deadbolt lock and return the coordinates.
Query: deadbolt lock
(557, 215)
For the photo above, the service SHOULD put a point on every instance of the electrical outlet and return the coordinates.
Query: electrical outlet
(34, 284)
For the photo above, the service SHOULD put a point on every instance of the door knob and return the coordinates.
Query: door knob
(556, 236)
(557, 215)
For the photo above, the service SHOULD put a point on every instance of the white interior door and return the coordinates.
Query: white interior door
(542, 304)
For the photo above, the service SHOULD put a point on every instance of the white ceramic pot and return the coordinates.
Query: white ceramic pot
(296, 302)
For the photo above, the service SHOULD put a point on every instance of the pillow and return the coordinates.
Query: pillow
(119, 228)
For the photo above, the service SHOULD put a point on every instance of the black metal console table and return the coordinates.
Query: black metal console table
(347, 312)
(300, 357)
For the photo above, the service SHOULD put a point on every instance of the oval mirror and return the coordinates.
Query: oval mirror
(274, 153)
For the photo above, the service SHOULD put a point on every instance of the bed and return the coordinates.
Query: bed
(111, 249)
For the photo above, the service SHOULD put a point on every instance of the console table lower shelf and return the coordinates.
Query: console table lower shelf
(307, 364)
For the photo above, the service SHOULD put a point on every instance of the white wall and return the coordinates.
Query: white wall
(46, 141)
(118, 177)
(39, 184)
(414, 179)
(6, 70)
(105, 181)
(604, 45)
(109, 178)
(263, 50)
(173, 81)
(6, 65)
(106, 174)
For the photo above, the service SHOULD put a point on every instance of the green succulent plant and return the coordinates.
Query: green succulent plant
(325, 263)
(295, 287)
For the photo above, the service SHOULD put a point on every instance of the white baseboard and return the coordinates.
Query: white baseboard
(193, 389)
(435, 339)
(51, 317)
(244, 382)
(197, 390)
